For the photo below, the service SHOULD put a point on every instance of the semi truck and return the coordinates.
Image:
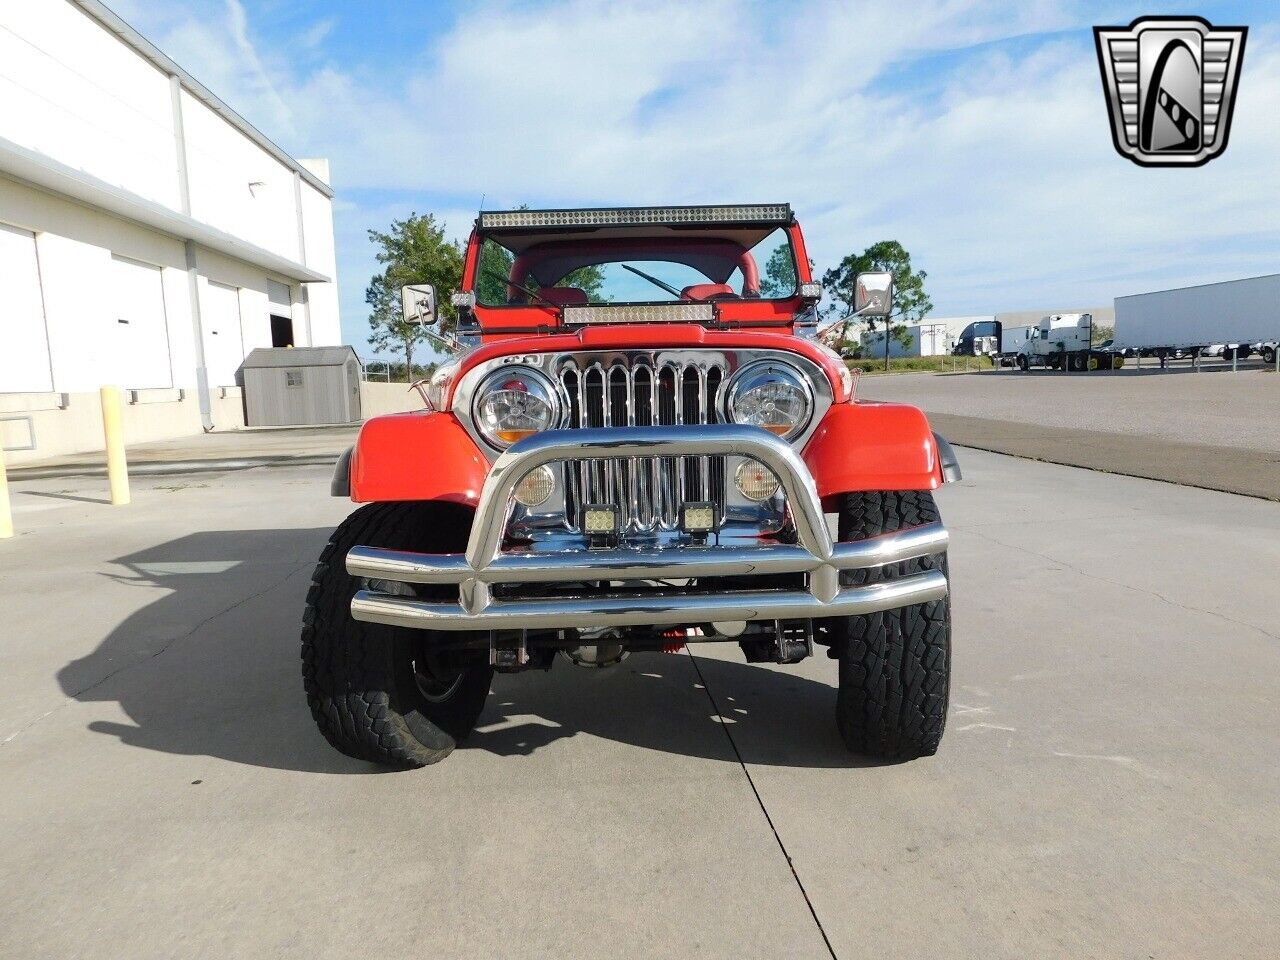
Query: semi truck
(1063, 341)
(979, 339)
(1230, 319)
(1011, 340)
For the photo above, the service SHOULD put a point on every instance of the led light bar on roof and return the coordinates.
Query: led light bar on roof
(641, 313)
(633, 216)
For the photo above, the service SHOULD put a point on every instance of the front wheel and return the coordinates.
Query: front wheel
(895, 666)
(384, 694)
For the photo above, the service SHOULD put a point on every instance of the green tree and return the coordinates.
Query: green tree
(910, 302)
(413, 250)
(779, 278)
(779, 273)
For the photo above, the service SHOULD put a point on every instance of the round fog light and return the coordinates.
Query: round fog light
(536, 488)
(755, 481)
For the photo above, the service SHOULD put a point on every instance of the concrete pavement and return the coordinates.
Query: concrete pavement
(1106, 786)
(1212, 429)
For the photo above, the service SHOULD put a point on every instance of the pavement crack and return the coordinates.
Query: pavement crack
(165, 645)
(1126, 586)
(763, 809)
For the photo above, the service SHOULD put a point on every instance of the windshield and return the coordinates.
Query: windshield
(684, 266)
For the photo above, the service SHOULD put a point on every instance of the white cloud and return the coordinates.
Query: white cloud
(975, 133)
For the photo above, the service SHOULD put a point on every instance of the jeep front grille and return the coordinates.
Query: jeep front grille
(648, 491)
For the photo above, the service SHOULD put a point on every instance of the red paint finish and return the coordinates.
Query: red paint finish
(417, 456)
(873, 446)
(803, 271)
(858, 446)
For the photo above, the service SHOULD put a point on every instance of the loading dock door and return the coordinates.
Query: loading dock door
(139, 333)
(24, 342)
(224, 340)
(280, 302)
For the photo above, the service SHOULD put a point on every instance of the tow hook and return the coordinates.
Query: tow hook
(508, 650)
(792, 642)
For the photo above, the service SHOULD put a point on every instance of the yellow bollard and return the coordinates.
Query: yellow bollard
(113, 432)
(6, 516)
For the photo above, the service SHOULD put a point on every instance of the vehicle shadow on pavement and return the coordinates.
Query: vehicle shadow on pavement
(773, 715)
(210, 667)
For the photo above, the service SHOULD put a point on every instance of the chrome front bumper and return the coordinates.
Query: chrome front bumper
(483, 565)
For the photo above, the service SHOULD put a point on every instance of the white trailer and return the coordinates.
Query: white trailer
(1232, 318)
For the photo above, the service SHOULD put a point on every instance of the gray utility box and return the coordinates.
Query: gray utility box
(299, 386)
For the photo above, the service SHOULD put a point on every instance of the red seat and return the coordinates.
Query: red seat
(700, 292)
(564, 296)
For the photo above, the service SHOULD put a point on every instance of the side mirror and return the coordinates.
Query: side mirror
(873, 295)
(418, 304)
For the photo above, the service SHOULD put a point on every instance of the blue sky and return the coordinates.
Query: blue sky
(973, 131)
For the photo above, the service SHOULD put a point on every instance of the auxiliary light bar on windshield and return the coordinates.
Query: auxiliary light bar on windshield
(779, 213)
(641, 313)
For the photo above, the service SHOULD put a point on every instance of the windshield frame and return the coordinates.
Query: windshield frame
(481, 236)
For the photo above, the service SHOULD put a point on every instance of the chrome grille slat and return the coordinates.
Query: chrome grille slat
(648, 491)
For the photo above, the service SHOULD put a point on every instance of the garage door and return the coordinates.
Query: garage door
(223, 337)
(24, 343)
(140, 335)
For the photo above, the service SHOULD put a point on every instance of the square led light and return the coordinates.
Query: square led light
(599, 520)
(698, 517)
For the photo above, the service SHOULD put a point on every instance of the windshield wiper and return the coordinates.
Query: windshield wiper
(654, 280)
(495, 275)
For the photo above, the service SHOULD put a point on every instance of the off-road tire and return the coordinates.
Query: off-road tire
(895, 666)
(360, 677)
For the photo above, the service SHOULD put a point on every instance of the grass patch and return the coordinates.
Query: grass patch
(921, 364)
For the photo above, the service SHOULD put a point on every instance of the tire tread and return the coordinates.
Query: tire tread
(895, 665)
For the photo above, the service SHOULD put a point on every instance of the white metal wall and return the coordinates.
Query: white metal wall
(75, 92)
(235, 185)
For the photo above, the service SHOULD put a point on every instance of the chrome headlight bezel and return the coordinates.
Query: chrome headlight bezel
(538, 384)
(761, 373)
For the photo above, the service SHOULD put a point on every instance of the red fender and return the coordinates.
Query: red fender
(417, 456)
(873, 446)
(858, 446)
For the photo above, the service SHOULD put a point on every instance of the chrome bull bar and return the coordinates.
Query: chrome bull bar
(483, 564)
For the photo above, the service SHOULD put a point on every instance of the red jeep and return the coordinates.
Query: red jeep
(641, 445)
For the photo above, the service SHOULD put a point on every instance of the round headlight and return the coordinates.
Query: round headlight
(515, 403)
(771, 395)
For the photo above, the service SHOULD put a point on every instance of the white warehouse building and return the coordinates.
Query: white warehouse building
(150, 237)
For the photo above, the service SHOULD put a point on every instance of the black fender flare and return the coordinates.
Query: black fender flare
(947, 460)
(340, 485)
